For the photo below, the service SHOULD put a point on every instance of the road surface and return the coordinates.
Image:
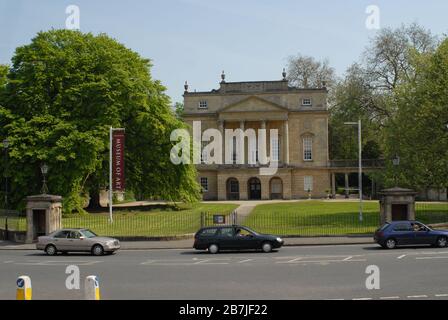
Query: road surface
(326, 272)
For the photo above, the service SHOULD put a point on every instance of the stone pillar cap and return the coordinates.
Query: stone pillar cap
(397, 190)
(44, 198)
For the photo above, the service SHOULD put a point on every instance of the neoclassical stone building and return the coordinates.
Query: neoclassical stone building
(301, 117)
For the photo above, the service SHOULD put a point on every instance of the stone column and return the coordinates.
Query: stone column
(222, 131)
(286, 142)
(347, 186)
(263, 127)
(243, 155)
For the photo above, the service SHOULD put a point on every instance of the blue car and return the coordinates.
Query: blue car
(408, 233)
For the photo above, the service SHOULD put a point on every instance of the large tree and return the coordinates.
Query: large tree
(307, 72)
(367, 91)
(64, 90)
(419, 134)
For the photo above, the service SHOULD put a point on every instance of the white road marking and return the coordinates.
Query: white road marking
(57, 263)
(389, 298)
(9, 261)
(362, 299)
(202, 261)
(418, 297)
(293, 260)
(401, 257)
(348, 258)
(441, 295)
(430, 258)
(247, 260)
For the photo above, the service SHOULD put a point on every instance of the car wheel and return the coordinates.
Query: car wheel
(213, 248)
(266, 247)
(97, 250)
(51, 250)
(441, 242)
(391, 244)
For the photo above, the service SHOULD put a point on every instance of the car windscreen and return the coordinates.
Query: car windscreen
(384, 227)
(88, 233)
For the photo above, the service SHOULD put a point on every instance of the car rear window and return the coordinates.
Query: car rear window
(208, 232)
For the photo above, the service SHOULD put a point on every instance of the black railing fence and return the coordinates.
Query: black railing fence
(305, 221)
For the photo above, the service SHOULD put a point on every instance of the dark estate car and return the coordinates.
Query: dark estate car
(234, 237)
(398, 233)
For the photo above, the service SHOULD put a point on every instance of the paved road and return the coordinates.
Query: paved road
(329, 272)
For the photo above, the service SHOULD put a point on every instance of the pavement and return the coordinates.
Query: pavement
(292, 273)
(188, 243)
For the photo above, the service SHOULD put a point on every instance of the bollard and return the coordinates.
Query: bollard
(24, 289)
(92, 288)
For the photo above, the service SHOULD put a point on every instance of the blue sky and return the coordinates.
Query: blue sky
(195, 40)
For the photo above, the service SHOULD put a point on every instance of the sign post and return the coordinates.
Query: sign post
(116, 164)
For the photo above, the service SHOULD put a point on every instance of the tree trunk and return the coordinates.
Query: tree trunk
(94, 202)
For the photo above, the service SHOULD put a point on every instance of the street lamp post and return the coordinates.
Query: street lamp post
(44, 169)
(358, 124)
(396, 163)
(5, 147)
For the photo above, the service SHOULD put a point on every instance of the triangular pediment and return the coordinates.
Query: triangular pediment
(253, 104)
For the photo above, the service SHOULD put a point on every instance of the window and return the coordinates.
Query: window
(227, 232)
(403, 227)
(308, 183)
(307, 102)
(208, 232)
(62, 234)
(234, 186)
(203, 104)
(275, 149)
(204, 184)
(88, 233)
(74, 235)
(308, 149)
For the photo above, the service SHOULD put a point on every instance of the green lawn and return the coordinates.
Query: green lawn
(321, 218)
(153, 223)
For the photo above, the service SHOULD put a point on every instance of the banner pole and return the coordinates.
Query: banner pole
(110, 176)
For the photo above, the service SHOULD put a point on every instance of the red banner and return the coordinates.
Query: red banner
(118, 176)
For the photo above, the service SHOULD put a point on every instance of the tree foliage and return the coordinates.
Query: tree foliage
(419, 134)
(63, 92)
(306, 72)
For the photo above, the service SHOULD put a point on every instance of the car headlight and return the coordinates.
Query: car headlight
(279, 239)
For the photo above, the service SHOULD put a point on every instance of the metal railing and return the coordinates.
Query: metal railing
(306, 222)
(366, 163)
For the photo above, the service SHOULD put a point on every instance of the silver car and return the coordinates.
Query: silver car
(76, 240)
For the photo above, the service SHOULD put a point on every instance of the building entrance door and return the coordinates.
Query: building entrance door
(254, 189)
(39, 223)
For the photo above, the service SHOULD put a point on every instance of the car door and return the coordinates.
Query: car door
(245, 239)
(422, 234)
(226, 238)
(60, 240)
(74, 241)
(403, 233)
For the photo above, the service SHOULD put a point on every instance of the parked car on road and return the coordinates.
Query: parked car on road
(76, 240)
(234, 237)
(404, 233)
